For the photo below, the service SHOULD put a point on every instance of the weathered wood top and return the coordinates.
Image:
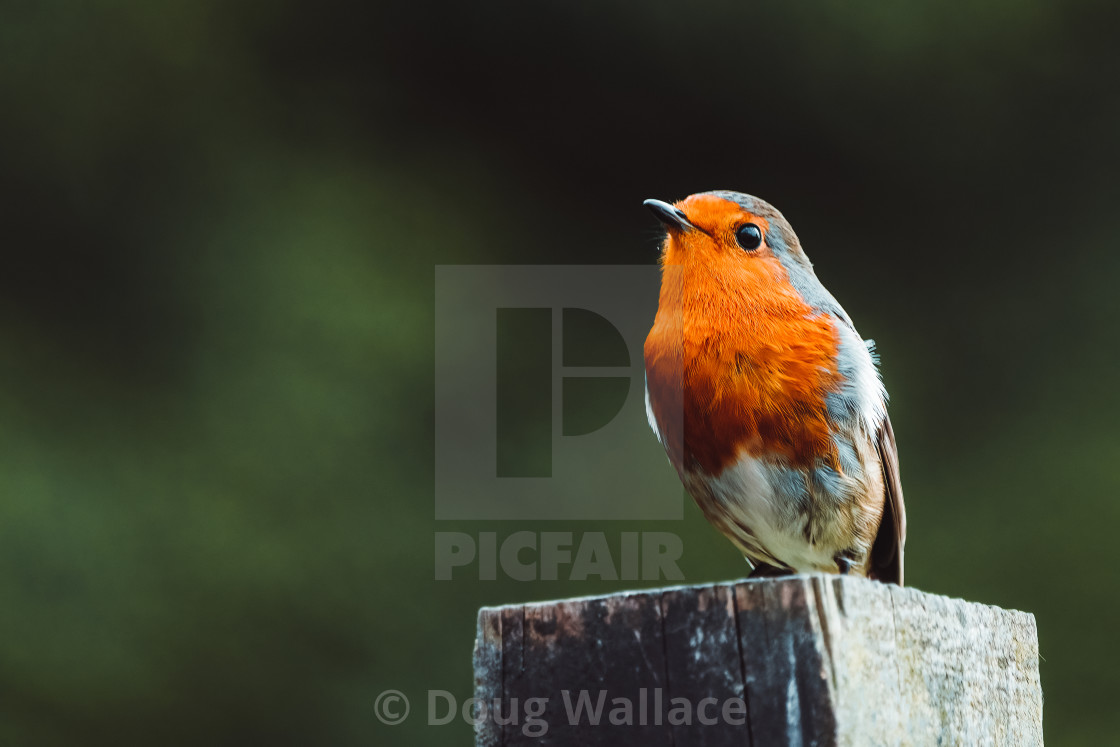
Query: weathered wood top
(813, 660)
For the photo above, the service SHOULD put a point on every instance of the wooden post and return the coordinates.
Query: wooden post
(803, 660)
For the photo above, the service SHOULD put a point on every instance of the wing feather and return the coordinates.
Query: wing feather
(887, 550)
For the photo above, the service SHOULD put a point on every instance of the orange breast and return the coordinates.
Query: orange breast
(739, 363)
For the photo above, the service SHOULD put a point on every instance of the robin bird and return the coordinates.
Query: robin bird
(766, 399)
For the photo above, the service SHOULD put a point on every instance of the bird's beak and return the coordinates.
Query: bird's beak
(669, 215)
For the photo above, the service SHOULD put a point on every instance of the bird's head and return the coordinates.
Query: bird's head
(727, 231)
(733, 244)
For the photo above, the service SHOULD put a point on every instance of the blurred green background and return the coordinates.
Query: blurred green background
(220, 225)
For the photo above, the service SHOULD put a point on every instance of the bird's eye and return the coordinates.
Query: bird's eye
(749, 236)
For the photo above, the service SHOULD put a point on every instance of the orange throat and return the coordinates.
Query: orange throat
(739, 364)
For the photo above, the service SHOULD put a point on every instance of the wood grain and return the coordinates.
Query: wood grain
(802, 660)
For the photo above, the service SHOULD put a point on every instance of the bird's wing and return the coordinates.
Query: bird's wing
(886, 552)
